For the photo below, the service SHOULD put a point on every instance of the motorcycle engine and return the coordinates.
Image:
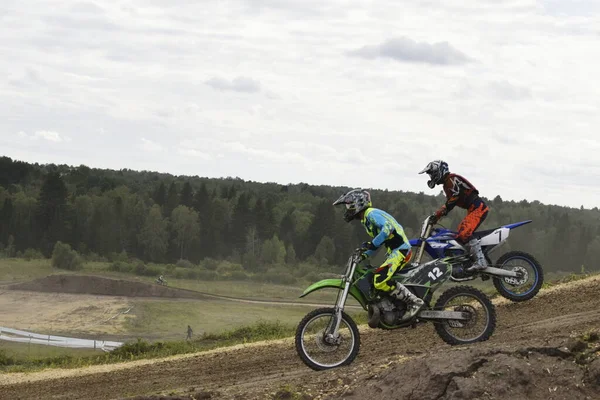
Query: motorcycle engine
(390, 311)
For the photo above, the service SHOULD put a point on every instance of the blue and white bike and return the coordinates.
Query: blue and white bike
(517, 275)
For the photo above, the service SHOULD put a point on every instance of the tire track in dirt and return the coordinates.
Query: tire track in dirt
(257, 370)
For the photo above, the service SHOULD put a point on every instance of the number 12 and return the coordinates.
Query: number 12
(437, 274)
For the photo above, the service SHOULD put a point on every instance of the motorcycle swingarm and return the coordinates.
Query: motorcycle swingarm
(499, 272)
(451, 315)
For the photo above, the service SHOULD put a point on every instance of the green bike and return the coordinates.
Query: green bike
(328, 337)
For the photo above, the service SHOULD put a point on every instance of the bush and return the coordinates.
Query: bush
(122, 256)
(137, 348)
(95, 257)
(119, 266)
(226, 268)
(64, 257)
(141, 269)
(238, 276)
(210, 264)
(185, 264)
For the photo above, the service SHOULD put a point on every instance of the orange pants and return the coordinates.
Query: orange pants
(476, 214)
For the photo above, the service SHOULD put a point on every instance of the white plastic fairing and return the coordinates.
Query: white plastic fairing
(496, 237)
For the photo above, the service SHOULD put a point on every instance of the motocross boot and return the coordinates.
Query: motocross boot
(413, 303)
(477, 254)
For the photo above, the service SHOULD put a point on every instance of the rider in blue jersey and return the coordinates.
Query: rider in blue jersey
(385, 230)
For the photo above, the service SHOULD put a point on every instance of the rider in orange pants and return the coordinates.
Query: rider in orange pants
(461, 193)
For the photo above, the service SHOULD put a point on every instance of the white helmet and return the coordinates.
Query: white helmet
(436, 170)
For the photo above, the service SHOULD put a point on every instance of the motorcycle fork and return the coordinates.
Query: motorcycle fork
(423, 243)
(341, 301)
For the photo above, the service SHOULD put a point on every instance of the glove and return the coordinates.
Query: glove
(438, 214)
(433, 219)
(366, 246)
(369, 246)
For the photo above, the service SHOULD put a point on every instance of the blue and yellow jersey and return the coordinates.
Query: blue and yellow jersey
(384, 229)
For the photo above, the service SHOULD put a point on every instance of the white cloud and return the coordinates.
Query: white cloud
(239, 84)
(51, 136)
(150, 146)
(407, 50)
(197, 154)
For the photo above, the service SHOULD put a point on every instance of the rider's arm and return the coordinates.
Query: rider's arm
(384, 227)
(450, 203)
(452, 196)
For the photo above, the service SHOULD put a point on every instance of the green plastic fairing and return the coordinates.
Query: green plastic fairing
(336, 284)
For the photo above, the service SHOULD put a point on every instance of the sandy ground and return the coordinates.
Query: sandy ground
(62, 312)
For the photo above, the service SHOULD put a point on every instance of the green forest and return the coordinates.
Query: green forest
(260, 227)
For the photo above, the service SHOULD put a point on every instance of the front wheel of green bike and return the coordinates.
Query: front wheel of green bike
(319, 348)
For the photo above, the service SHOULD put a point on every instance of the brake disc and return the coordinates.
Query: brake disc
(518, 281)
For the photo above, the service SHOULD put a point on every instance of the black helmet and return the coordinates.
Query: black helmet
(355, 200)
(436, 170)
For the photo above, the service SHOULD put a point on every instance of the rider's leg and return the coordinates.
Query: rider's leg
(383, 281)
(475, 217)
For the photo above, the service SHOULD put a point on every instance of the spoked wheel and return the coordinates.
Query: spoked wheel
(482, 316)
(319, 348)
(529, 282)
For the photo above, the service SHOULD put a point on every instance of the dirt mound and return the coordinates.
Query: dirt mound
(102, 286)
(499, 373)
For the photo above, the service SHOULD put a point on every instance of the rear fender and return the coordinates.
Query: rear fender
(336, 283)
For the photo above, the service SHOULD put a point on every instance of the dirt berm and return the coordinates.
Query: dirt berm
(102, 286)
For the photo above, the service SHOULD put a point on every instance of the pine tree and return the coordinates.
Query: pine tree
(187, 195)
(172, 200)
(160, 195)
(52, 211)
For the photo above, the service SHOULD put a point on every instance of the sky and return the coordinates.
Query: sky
(339, 92)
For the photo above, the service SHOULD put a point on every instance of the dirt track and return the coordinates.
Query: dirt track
(510, 365)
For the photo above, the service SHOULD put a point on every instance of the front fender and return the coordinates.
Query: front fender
(336, 283)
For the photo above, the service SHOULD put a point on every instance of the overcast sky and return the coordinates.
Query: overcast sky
(338, 92)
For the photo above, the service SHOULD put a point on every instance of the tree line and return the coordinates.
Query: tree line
(163, 218)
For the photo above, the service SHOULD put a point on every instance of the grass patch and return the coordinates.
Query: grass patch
(591, 336)
(141, 349)
(27, 351)
(14, 269)
(168, 319)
